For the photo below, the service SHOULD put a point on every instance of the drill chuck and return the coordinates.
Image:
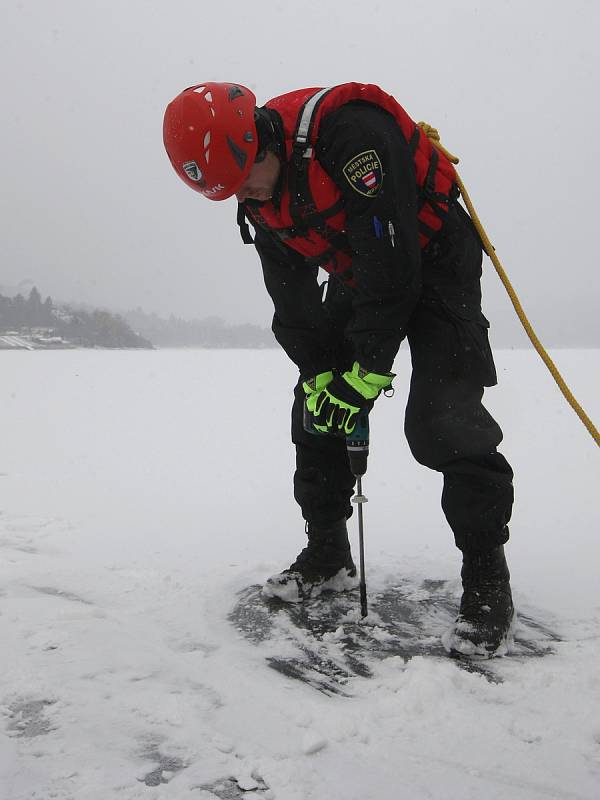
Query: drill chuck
(357, 445)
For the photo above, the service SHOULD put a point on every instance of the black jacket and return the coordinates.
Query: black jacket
(366, 323)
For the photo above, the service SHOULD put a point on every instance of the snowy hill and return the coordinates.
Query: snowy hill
(143, 491)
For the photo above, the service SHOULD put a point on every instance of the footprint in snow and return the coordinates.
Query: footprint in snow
(27, 718)
(166, 767)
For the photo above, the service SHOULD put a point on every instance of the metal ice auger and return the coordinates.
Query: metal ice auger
(357, 445)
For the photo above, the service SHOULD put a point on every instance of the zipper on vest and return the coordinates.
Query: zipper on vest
(391, 232)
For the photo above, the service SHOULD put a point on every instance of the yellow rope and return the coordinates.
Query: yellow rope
(434, 136)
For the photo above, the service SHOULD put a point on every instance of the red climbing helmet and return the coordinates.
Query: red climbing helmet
(210, 137)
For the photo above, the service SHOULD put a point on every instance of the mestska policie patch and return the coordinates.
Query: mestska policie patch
(364, 173)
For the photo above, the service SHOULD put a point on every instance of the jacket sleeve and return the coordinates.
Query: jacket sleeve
(301, 324)
(382, 227)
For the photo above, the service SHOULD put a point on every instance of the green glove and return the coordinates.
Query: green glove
(313, 386)
(333, 402)
(368, 384)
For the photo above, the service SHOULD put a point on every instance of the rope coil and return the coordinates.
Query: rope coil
(433, 135)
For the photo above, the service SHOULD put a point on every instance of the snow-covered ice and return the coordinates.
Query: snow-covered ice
(141, 491)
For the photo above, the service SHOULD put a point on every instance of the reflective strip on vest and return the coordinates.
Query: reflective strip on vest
(304, 126)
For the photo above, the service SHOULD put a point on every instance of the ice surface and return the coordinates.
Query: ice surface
(138, 499)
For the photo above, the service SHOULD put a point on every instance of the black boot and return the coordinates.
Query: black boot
(325, 564)
(484, 622)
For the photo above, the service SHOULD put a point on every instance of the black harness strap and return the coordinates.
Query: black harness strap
(430, 196)
(314, 218)
(244, 229)
(429, 183)
(426, 230)
(414, 141)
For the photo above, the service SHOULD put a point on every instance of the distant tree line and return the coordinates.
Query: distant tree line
(211, 332)
(17, 312)
(29, 315)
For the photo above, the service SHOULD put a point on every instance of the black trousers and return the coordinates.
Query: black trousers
(446, 426)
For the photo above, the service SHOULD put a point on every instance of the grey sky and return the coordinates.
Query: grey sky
(92, 211)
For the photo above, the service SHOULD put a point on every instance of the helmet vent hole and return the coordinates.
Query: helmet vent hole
(212, 111)
(238, 154)
(199, 89)
(206, 155)
(207, 139)
(234, 92)
(208, 97)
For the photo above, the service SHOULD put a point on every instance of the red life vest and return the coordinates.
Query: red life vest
(311, 218)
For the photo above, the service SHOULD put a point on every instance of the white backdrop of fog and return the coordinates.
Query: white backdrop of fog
(92, 212)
